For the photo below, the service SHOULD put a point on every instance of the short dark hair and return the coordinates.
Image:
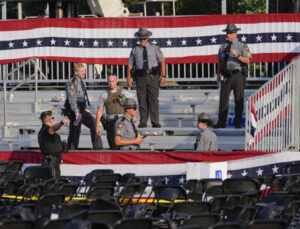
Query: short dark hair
(45, 114)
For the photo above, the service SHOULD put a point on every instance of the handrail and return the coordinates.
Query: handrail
(272, 113)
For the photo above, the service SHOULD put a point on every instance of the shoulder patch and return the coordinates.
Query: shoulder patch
(159, 50)
(120, 125)
(72, 86)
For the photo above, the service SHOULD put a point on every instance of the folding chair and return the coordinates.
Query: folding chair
(108, 216)
(17, 224)
(145, 223)
(263, 224)
(239, 186)
(202, 220)
(101, 192)
(226, 226)
(37, 174)
(56, 224)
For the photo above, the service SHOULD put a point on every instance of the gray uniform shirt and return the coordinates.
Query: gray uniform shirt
(208, 141)
(233, 63)
(123, 128)
(154, 54)
(75, 92)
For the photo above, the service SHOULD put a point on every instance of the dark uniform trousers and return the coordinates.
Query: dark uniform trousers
(54, 163)
(74, 131)
(110, 131)
(147, 88)
(235, 82)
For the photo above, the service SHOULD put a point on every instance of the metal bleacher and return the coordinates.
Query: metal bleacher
(178, 116)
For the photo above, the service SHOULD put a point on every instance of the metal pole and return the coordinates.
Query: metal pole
(4, 9)
(267, 6)
(173, 7)
(223, 4)
(36, 85)
(4, 100)
(20, 13)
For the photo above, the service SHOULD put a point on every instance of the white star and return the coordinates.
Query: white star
(169, 42)
(289, 37)
(259, 172)
(154, 42)
(95, 43)
(67, 43)
(38, 42)
(258, 38)
(81, 43)
(53, 41)
(229, 175)
(244, 173)
(273, 37)
(110, 43)
(10, 45)
(183, 42)
(213, 40)
(25, 44)
(181, 180)
(125, 43)
(198, 41)
(167, 180)
(275, 169)
(243, 38)
(150, 181)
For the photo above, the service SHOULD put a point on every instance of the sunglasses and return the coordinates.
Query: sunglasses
(49, 119)
(134, 108)
(142, 39)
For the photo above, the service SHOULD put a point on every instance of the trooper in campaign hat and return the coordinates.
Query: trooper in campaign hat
(206, 140)
(129, 103)
(205, 118)
(146, 65)
(231, 28)
(142, 33)
(127, 137)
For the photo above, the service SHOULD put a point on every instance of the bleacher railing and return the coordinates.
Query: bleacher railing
(59, 71)
(273, 113)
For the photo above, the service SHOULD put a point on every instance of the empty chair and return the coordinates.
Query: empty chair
(291, 169)
(56, 224)
(33, 174)
(109, 216)
(202, 220)
(247, 214)
(101, 192)
(69, 190)
(79, 224)
(102, 204)
(239, 186)
(144, 223)
(189, 208)
(264, 224)
(14, 166)
(45, 204)
(88, 177)
(17, 224)
(107, 177)
(226, 226)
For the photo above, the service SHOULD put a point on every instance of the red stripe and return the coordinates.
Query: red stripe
(131, 157)
(149, 22)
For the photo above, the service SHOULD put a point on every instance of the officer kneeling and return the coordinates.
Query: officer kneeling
(50, 143)
(127, 136)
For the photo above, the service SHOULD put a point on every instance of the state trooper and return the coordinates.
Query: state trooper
(233, 57)
(113, 100)
(127, 137)
(206, 140)
(148, 63)
(50, 143)
(75, 109)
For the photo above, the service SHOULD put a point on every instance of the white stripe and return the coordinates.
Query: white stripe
(276, 27)
(124, 52)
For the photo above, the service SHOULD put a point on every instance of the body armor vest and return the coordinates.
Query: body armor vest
(50, 147)
(115, 102)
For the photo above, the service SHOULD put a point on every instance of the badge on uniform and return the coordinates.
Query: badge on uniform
(120, 125)
(72, 87)
(159, 49)
(247, 50)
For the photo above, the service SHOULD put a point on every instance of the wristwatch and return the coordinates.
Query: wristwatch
(163, 76)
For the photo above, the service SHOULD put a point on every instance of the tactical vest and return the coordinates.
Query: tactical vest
(115, 102)
(50, 147)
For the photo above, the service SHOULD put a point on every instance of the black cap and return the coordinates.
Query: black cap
(44, 114)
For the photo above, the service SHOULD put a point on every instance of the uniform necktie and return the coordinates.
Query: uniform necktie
(134, 128)
(145, 58)
(85, 93)
(227, 52)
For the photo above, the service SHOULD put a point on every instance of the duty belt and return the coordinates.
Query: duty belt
(234, 71)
